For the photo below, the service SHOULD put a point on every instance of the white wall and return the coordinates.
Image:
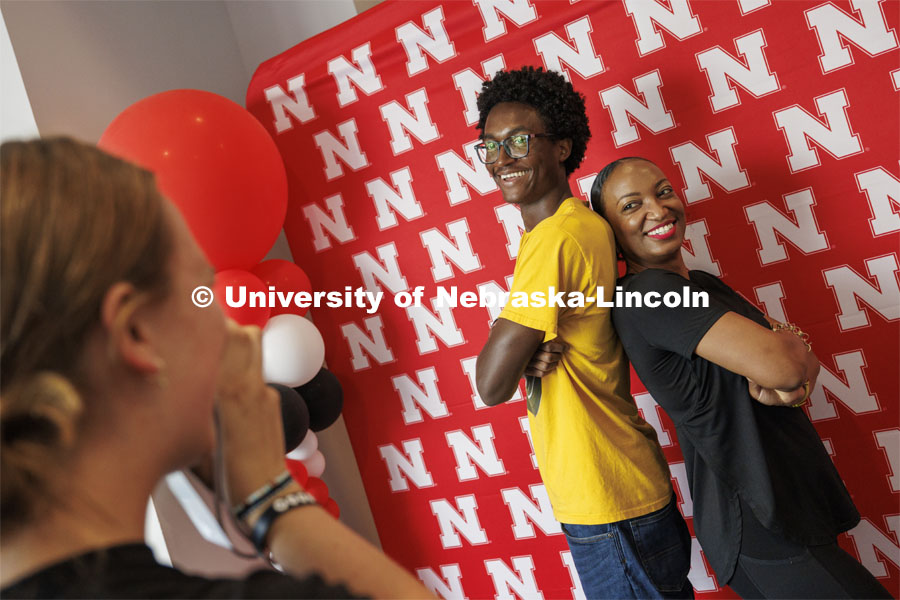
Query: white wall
(266, 28)
(83, 62)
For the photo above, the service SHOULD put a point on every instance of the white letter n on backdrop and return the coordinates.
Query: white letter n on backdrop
(624, 106)
(460, 172)
(847, 385)
(850, 289)
(348, 151)
(868, 538)
(334, 224)
(392, 199)
(469, 83)
(365, 77)
(462, 519)
(520, 12)
(384, 269)
(834, 27)
(696, 251)
(804, 235)
(726, 171)
(582, 58)
(441, 324)
(362, 346)
(650, 14)
(296, 103)
(415, 41)
(520, 582)
(406, 465)
(483, 452)
(801, 129)
(526, 513)
(422, 395)
(400, 121)
(882, 191)
(446, 585)
(441, 250)
(752, 74)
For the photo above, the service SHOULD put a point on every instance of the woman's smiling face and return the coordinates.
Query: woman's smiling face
(645, 214)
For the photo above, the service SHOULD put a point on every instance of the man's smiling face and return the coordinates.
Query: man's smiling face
(530, 178)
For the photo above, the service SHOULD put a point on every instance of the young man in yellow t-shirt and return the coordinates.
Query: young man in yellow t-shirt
(600, 461)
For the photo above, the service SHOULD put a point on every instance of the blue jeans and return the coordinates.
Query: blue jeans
(644, 557)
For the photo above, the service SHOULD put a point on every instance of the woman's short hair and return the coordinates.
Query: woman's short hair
(73, 222)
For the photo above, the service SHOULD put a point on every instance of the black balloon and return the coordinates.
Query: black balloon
(324, 399)
(294, 416)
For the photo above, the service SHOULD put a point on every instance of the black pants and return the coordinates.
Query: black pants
(770, 566)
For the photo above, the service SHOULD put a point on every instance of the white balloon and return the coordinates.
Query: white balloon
(293, 350)
(308, 447)
(315, 464)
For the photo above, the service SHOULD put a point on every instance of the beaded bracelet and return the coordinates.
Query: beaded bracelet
(804, 337)
(261, 495)
(278, 507)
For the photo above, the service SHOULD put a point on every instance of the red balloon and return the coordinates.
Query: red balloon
(216, 162)
(318, 489)
(242, 284)
(286, 277)
(332, 507)
(297, 470)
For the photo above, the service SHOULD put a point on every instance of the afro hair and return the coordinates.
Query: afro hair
(561, 108)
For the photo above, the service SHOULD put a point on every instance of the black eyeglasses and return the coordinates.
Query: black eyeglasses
(516, 146)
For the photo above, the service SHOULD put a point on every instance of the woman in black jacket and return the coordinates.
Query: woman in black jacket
(768, 502)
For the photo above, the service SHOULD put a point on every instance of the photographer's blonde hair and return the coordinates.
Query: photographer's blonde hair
(73, 222)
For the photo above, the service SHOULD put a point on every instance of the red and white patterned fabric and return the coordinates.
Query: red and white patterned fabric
(776, 121)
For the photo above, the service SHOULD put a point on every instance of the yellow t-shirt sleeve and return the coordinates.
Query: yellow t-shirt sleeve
(545, 266)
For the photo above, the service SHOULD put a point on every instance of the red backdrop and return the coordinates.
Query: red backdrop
(778, 122)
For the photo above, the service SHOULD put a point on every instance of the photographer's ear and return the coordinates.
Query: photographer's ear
(123, 318)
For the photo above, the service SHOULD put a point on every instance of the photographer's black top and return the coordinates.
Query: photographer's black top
(130, 571)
